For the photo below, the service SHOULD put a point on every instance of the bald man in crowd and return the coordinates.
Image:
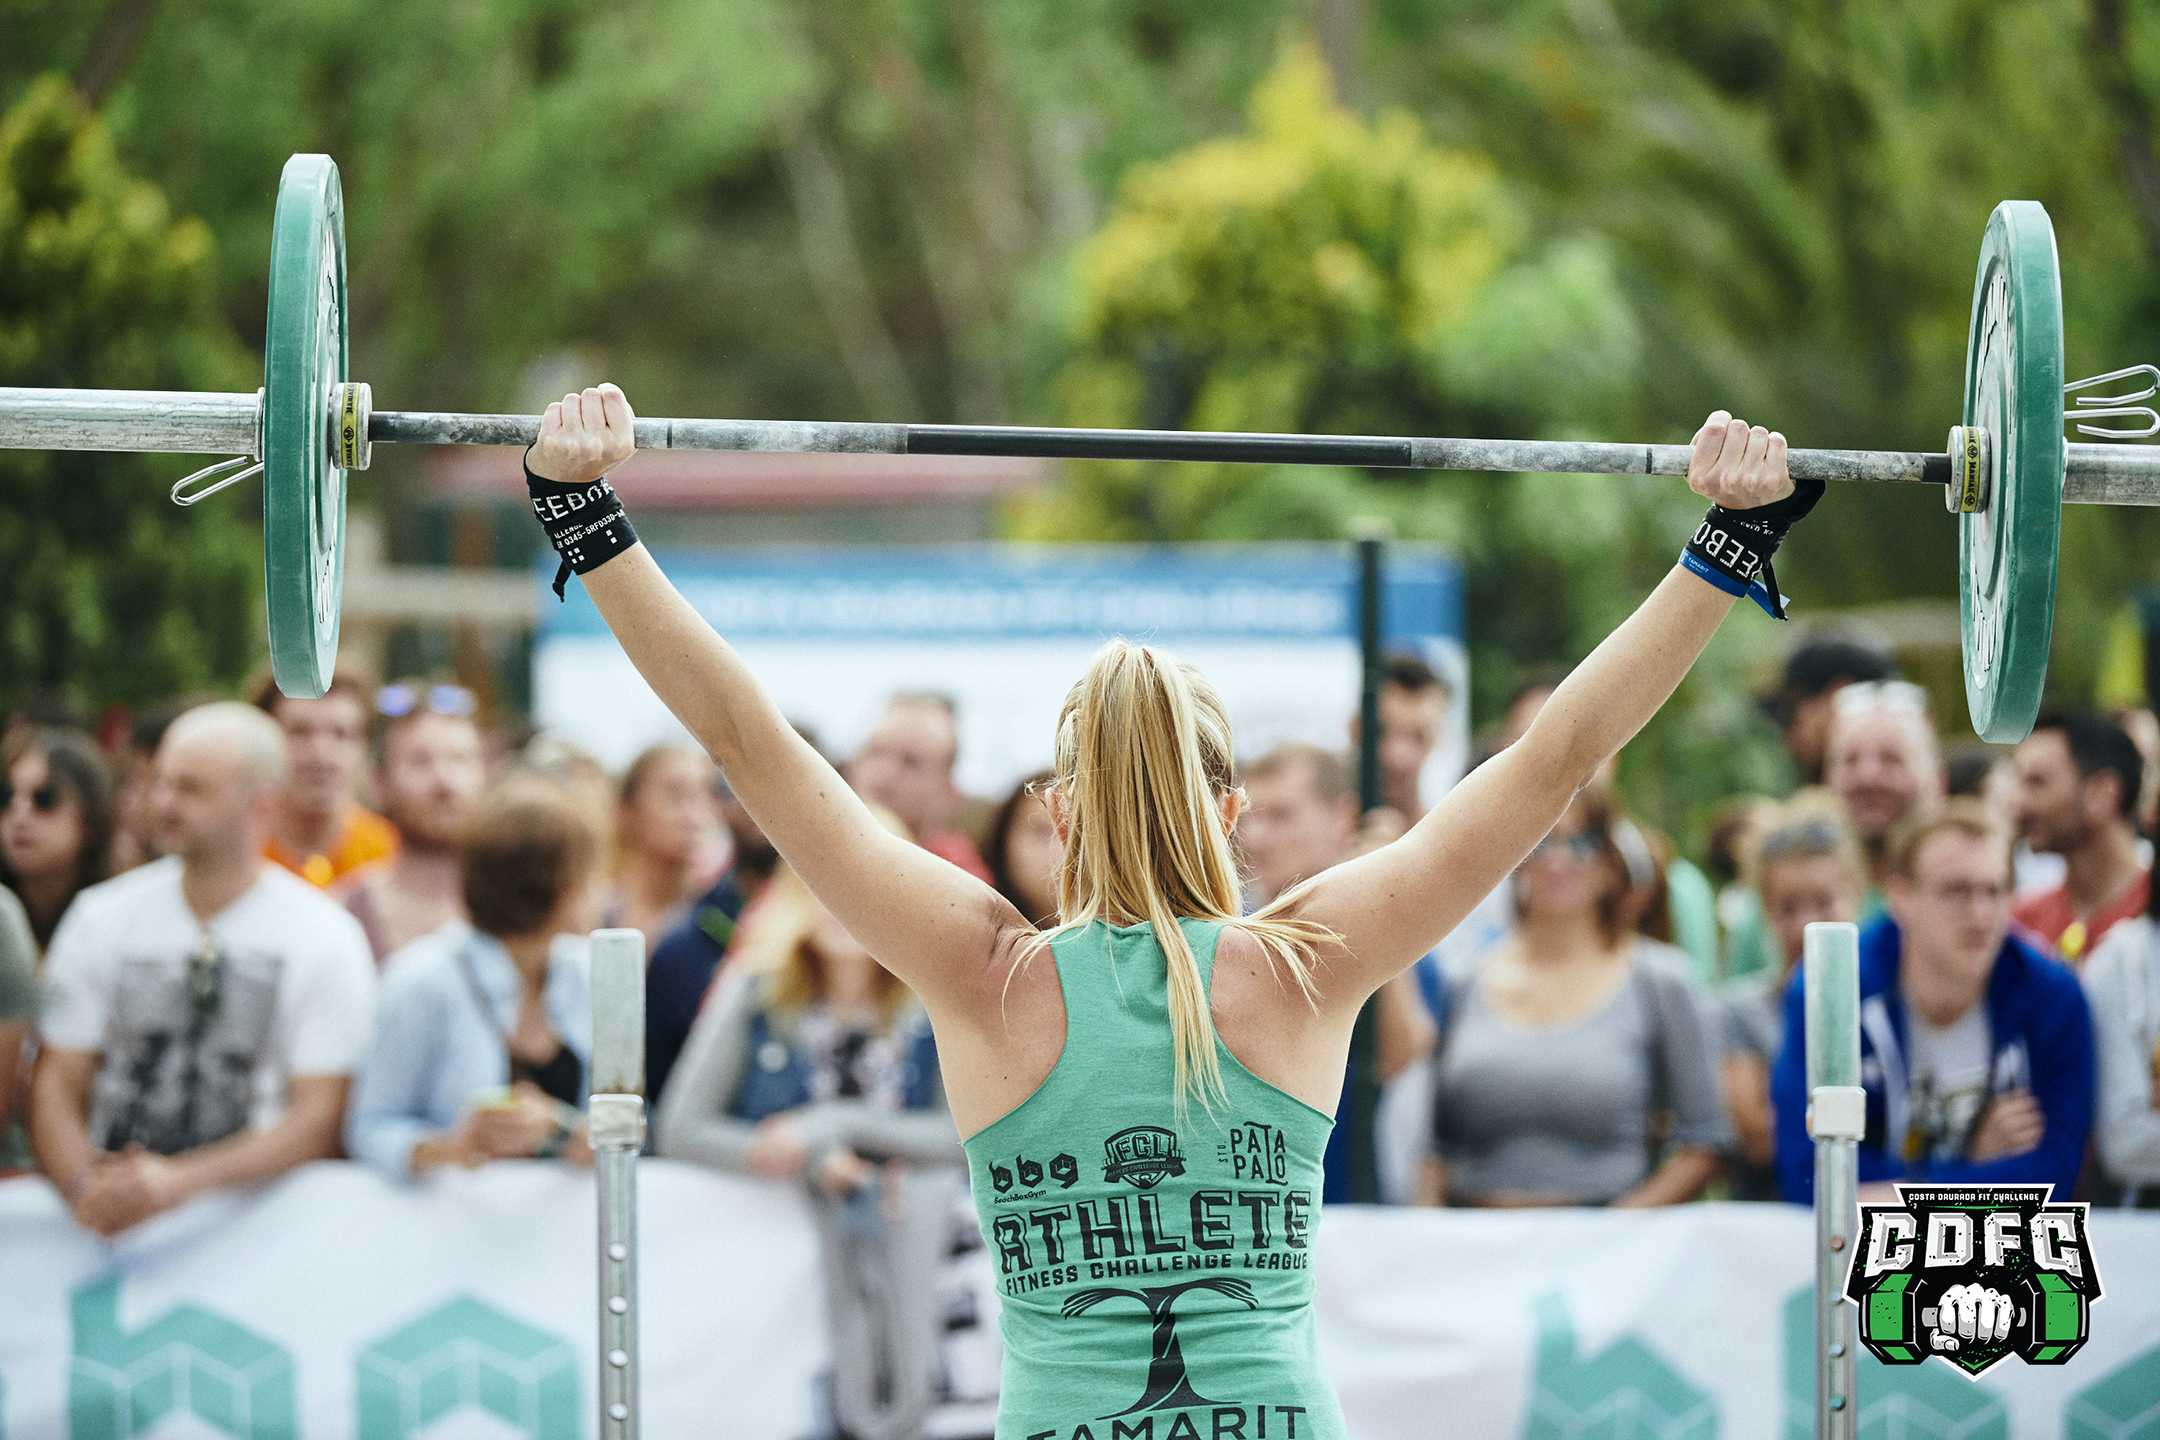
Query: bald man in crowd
(1882, 759)
(204, 1012)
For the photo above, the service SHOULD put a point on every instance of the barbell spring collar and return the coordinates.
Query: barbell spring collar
(2124, 406)
(221, 476)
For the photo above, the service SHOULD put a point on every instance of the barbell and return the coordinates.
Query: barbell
(2005, 472)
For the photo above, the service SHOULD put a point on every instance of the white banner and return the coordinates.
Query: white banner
(333, 1304)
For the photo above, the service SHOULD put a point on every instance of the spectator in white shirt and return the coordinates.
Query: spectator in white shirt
(203, 1013)
(2123, 982)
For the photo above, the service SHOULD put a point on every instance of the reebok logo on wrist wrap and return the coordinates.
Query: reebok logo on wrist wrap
(586, 524)
(1731, 549)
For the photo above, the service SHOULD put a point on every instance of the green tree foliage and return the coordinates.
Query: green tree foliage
(1782, 203)
(106, 593)
(1795, 195)
(768, 207)
(1325, 273)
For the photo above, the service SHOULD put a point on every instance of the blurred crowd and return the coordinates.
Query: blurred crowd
(249, 934)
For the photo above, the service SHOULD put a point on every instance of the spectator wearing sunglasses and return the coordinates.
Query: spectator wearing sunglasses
(1884, 764)
(486, 1029)
(1577, 1064)
(1802, 864)
(322, 832)
(433, 769)
(204, 1012)
(1022, 849)
(1667, 898)
(56, 824)
(575, 772)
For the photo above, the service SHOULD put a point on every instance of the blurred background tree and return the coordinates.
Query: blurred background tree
(102, 284)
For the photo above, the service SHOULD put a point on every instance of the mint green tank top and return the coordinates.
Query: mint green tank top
(1155, 1279)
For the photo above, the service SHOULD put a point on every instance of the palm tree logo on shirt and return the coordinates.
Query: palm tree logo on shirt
(1168, 1385)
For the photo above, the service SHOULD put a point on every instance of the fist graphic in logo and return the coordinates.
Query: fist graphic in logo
(1968, 1316)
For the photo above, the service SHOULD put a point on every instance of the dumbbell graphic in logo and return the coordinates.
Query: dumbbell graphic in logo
(1968, 1316)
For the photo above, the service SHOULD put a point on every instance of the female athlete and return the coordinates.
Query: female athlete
(1144, 1089)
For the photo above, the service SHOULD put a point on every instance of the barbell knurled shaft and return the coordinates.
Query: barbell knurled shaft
(2095, 474)
(1375, 451)
(425, 427)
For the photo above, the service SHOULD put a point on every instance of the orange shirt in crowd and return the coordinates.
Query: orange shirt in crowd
(2052, 916)
(366, 838)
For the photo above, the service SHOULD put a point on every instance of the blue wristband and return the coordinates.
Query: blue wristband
(1755, 592)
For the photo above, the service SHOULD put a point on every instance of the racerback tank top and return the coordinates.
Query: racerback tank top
(1155, 1278)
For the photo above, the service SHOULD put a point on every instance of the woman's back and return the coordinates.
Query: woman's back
(1150, 1267)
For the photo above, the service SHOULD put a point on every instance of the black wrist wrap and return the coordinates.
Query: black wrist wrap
(1731, 549)
(586, 524)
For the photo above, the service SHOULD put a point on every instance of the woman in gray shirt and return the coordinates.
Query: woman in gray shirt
(1579, 1063)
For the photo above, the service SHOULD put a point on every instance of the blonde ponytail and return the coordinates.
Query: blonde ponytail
(1143, 757)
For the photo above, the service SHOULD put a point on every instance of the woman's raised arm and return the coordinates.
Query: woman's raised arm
(928, 921)
(1395, 903)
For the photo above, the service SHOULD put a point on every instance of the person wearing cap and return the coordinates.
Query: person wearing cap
(1800, 705)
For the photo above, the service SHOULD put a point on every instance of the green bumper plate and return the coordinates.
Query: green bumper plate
(2007, 550)
(305, 355)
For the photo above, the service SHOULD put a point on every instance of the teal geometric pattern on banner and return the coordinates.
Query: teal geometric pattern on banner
(1897, 1402)
(189, 1361)
(2123, 1404)
(1624, 1392)
(464, 1353)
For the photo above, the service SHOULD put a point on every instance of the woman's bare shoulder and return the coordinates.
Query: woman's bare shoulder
(1251, 985)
